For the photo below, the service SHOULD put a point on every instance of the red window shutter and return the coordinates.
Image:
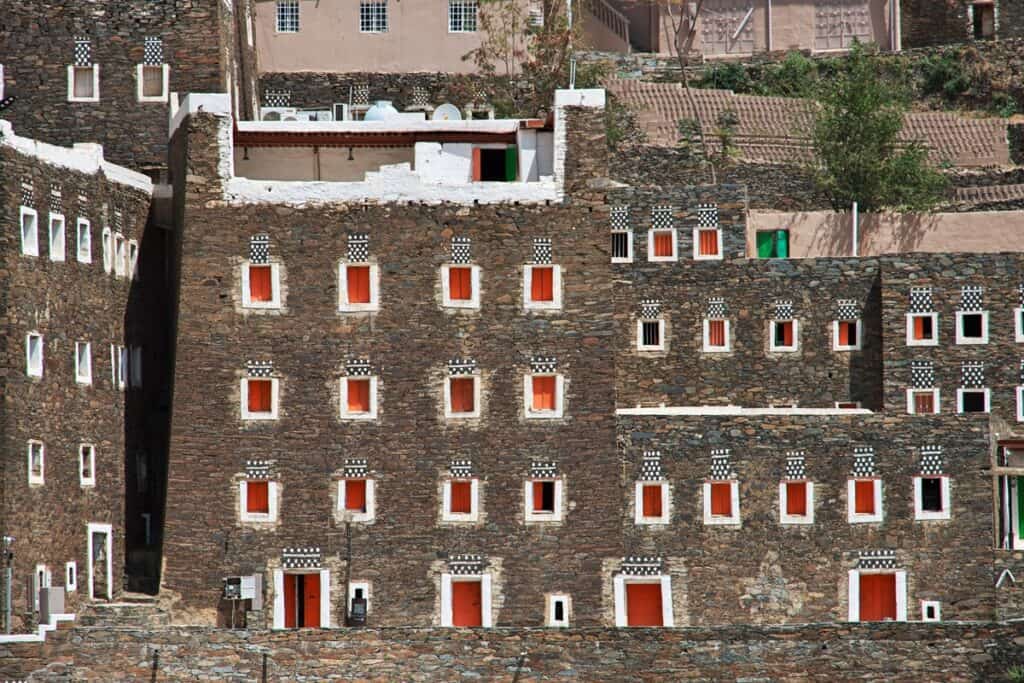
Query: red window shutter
(357, 280)
(460, 284)
(467, 603)
(877, 597)
(864, 497)
(721, 499)
(919, 327)
(643, 604)
(924, 402)
(542, 284)
(709, 243)
(260, 284)
(477, 166)
(787, 333)
(355, 495)
(796, 498)
(461, 391)
(543, 393)
(259, 395)
(257, 496)
(846, 336)
(461, 497)
(652, 500)
(291, 585)
(538, 496)
(358, 395)
(716, 332)
(663, 243)
(311, 600)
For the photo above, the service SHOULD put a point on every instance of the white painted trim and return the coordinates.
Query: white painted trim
(95, 84)
(785, 518)
(365, 586)
(446, 600)
(533, 517)
(82, 480)
(734, 494)
(474, 283)
(629, 247)
(369, 415)
(34, 366)
(40, 479)
(275, 286)
(640, 346)
(1020, 403)
(258, 517)
(83, 248)
(486, 618)
(29, 247)
(638, 504)
(165, 74)
(474, 501)
(706, 346)
(529, 412)
(697, 256)
(934, 341)
(852, 517)
(447, 398)
(70, 576)
(83, 370)
(1, 81)
(619, 593)
(961, 339)
(371, 501)
(1018, 325)
(935, 605)
(675, 246)
(775, 348)
(960, 398)
(853, 595)
(836, 346)
(552, 599)
(910, 400)
(853, 580)
(325, 598)
(57, 238)
(274, 396)
(947, 502)
(277, 621)
(108, 529)
(683, 411)
(343, 303)
(120, 255)
(108, 251)
(556, 288)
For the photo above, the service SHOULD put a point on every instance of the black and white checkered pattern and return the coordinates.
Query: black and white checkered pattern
(83, 200)
(1020, 294)
(721, 467)
(716, 308)
(358, 367)
(466, 564)
(661, 218)
(420, 96)
(931, 460)
(542, 469)
(153, 51)
(118, 220)
(876, 559)
(83, 51)
(539, 364)
(56, 203)
(461, 366)
(620, 218)
(847, 309)
(361, 94)
(277, 98)
(921, 300)
(637, 565)
(650, 467)
(259, 368)
(783, 310)
(650, 309)
(970, 298)
(28, 192)
(259, 249)
(922, 374)
(301, 558)
(358, 247)
(355, 468)
(972, 374)
(863, 461)
(541, 250)
(707, 216)
(796, 465)
(259, 469)
(1022, 371)
(461, 468)
(461, 252)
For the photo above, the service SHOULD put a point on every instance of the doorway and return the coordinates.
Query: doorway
(302, 600)
(100, 550)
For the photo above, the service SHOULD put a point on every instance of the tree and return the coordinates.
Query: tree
(859, 155)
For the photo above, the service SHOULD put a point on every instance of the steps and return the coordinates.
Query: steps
(132, 611)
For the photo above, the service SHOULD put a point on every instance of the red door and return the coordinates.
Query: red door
(877, 597)
(302, 591)
(643, 604)
(311, 600)
(291, 586)
(466, 603)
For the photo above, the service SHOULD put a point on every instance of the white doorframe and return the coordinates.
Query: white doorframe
(109, 531)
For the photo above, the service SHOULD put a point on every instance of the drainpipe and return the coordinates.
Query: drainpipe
(856, 229)
(768, 22)
(896, 26)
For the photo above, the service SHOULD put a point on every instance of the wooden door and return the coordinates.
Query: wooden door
(311, 600)
(643, 604)
(877, 597)
(467, 603)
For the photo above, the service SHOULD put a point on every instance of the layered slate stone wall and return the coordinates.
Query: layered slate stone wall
(323, 90)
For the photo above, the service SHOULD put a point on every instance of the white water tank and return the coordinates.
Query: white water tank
(382, 110)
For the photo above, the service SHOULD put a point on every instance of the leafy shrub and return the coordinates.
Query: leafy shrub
(726, 76)
(943, 76)
(795, 76)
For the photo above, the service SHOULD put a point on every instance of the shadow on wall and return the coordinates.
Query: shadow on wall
(879, 233)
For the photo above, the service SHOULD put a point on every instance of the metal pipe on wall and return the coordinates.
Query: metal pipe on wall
(768, 25)
(856, 230)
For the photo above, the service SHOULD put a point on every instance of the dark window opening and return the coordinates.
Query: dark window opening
(929, 612)
(358, 593)
(783, 333)
(559, 610)
(971, 326)
(931, 494)
(974, 401)
(498, 164)
(547, 497)
(620, 245)
(984, 25)
(651, 333)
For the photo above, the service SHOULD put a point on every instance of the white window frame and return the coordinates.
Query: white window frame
(364, 586)
(372, 413)
(734, 491)
(640, 346)
(108, 251)
(934, 341)
(120, 255)
(486, 618)
(925, 605)
(775, 348)
(650, 246)
(277, 622)
(619, 592)
(133, 259)
(697, 256)
(57, 234)
(559, 410)
(95, 84)
(108, 530)
(836, 346)
(275, 286)
(274, 397)
(37, 479)
(556, 288)
(373, 13)
(474, 501)
(706, 346)
(549, 610)
(638, 503)
(447, 398)
(83, 371)
(346, 306)
(629, 247)
(257, 517)
(29, 247)
(42, 578)
(1020, 403)
(853, 584)
(531, 515)
(923, 515)
(1018, 325)
(463, 7)
(84, 481)
(83, 251)
(474, 282)
(165, 77)
(785, 518)
(853, 517)
(122, 367)
(34, 366)
(960, 398)
(961, 339)
(278, 16)
(910, 400)
(371, 501)
(1, 81)
(71, 576)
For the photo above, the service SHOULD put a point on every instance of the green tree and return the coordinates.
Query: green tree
(860, 157)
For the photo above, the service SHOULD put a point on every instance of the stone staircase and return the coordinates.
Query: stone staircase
(133, 610)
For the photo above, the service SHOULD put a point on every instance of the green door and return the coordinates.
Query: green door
(765, 244)
(782, 243)
(511, 163)
(1020, 507)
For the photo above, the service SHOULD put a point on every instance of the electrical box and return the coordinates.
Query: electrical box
(357, 615)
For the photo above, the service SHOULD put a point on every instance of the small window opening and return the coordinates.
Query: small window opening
(931, 494)
(544, 496)
(651, 333)
(972, 325)
(973, 401)
(620, 245)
